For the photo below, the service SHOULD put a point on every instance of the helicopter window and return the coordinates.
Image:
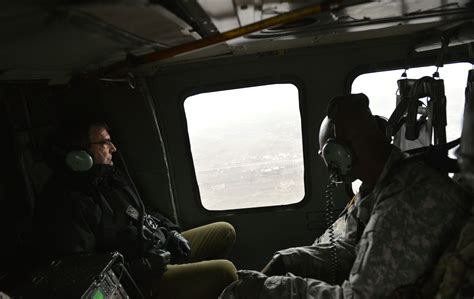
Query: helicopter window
(381, 88)
(246, 145)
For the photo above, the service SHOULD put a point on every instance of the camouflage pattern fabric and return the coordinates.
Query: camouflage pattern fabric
(459, 266)
(389, 239)
(454, 272)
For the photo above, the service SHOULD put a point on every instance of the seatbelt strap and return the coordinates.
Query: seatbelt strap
(436, 156)
(440, 147)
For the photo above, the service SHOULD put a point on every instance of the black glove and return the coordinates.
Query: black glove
(153, 264)
(158, 259)
(179, 248)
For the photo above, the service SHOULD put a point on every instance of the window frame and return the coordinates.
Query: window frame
(223, 86)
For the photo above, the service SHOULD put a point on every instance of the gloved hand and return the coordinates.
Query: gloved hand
(153, 264)
(179, 248)
(248, 285)
(158, 260)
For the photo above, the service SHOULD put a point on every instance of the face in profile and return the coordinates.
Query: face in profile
(101, 146)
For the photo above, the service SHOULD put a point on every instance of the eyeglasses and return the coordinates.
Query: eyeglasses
(103, 142)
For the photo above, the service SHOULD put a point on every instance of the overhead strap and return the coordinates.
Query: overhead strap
(439, 62)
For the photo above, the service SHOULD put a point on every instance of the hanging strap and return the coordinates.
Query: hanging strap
(397, 118)
(467, 148)
(410, 93)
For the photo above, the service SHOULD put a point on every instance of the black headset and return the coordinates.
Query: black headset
(337, 155)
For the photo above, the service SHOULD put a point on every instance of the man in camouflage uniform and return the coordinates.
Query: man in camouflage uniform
(390, 236)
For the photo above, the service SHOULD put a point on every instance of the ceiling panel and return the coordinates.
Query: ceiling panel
(57, 36)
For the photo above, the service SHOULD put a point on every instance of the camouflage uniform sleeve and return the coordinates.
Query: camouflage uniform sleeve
(258, 286)
(312, 263)
(315, 261)
(410, 224)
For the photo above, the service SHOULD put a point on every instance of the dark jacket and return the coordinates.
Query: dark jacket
(94, 211)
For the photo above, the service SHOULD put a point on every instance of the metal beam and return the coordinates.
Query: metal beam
(289, 17)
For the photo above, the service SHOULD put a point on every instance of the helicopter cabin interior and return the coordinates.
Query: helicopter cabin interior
(215, 106)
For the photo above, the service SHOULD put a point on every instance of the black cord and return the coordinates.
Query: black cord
(140, 202)
(330, 221)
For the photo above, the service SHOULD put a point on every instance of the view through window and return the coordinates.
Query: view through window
(247, 147)
(381, 89)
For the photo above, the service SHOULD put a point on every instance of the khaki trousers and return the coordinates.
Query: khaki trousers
(206, 274)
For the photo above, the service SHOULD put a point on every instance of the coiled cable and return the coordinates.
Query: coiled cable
(330, 222)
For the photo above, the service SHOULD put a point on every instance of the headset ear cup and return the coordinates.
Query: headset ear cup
(79, 160)
(338, 157)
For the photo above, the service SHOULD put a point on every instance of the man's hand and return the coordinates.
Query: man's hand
(179, 248)
(154, 263)
(248, 285)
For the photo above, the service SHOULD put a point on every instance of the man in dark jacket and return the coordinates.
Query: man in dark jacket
(90, 206)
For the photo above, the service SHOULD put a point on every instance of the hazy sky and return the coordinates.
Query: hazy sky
(241, 105)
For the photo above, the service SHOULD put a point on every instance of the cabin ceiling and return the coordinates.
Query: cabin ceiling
(58, 38)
